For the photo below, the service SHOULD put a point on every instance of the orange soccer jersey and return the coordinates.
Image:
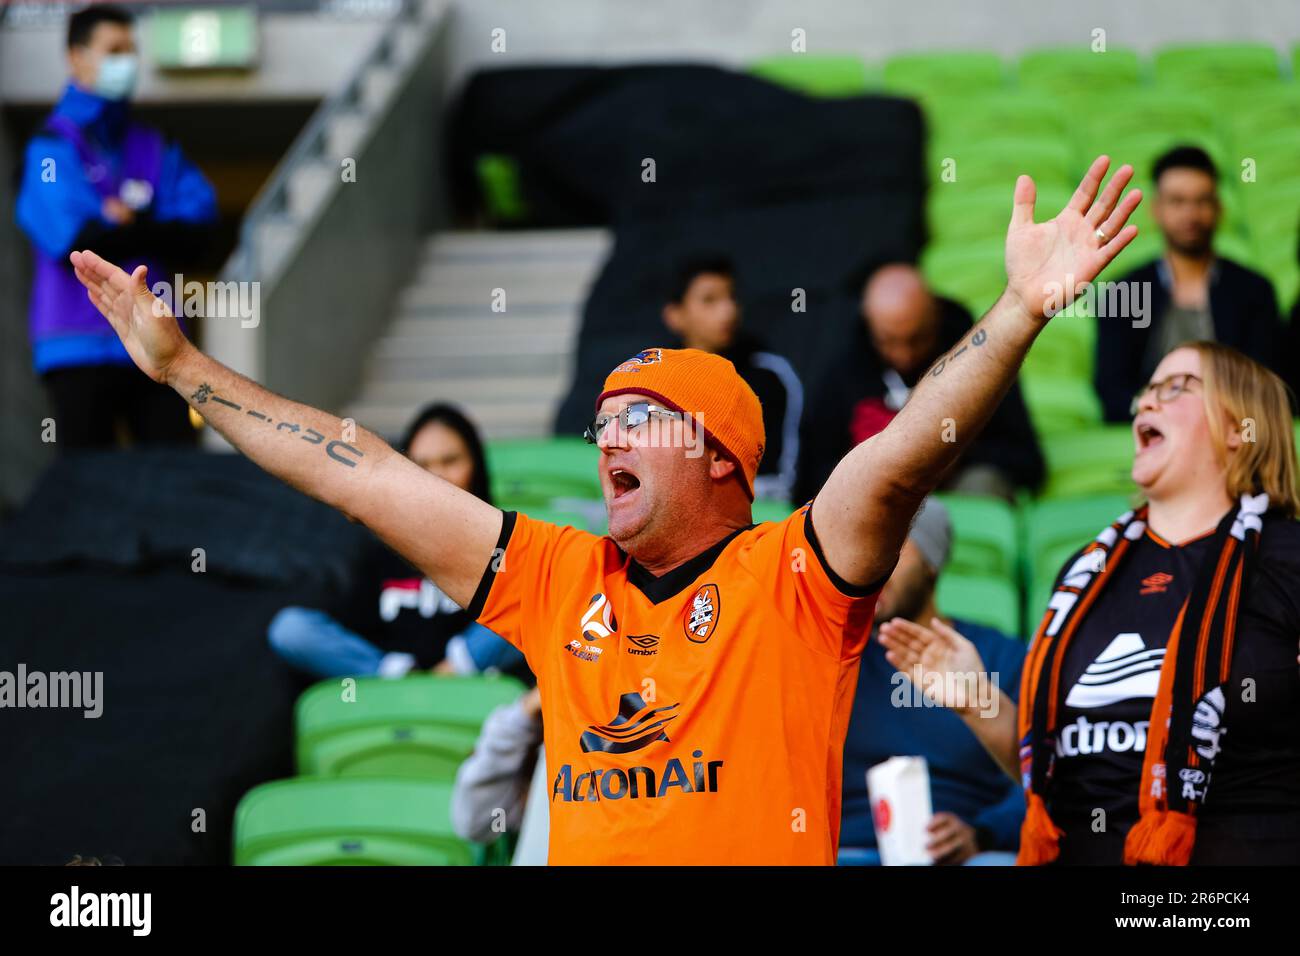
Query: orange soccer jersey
(696, 717)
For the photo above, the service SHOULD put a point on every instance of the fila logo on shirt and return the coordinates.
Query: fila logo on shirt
(419, 593)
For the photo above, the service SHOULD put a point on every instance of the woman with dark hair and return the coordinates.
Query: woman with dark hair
(442, 440)
(1160, 698)
(395, 619)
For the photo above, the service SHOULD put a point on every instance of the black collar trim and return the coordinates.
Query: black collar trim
(672, 583)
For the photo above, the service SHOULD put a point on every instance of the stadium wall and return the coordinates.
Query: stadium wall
(736, 32)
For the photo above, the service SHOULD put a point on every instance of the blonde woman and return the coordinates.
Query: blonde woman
(1159, 713)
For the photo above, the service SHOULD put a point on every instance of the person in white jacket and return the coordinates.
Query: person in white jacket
(492, 784)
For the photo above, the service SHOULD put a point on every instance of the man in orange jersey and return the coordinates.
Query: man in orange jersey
(696, 671)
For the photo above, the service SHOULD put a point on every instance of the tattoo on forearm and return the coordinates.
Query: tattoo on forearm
(335, 449)
(978, 339)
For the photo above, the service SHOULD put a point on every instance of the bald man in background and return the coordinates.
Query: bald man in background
(903, 329)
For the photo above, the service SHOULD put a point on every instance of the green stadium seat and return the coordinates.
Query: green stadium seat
(1064, 349)
(972, 273)
(1060, 404)
(1091, 462)
(930, 74)
(1260, 113)
(1142, 148)
(958, 212)
(1274, 217)
(1054, 529)
(1146, 246)
(1232, 246)
(585, 516)
(500, 183)
(419, 726)
(984, 599)
(1066, 70)
(1278, 262)
(539, 470)
(1198, 66)
(998, 160)
(1144, 111)
(309, 821)
(766, 510)
(1275, 155)
(961, 117)
(985, 541)
(827, 75)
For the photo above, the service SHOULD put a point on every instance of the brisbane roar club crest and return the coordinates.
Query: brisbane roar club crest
(647, 357)
(702, 614)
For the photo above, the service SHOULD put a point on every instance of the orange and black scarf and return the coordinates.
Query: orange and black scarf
(1197, 662)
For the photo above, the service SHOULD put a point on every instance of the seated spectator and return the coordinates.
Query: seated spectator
(977, 808)
(905, 328)
(396, 619)
(491, 791)
(1193, 294)
(703, 313)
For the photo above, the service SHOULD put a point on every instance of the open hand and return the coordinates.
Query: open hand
(141, 320)
(937, 659)
(1048, 263)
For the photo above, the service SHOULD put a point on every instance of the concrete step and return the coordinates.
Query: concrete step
(440, 365)
(485, 390)
(519, 420)
(438, 322)
(509, 370)
(547, 244)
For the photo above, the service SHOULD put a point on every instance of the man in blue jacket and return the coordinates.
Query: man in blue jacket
(977, 808)
(94, 178)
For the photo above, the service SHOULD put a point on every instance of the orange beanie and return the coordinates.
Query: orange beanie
(704, 385)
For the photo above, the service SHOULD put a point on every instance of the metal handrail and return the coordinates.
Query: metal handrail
(272, 200)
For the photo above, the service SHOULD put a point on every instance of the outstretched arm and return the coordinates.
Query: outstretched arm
(863, 512)
(445, 532)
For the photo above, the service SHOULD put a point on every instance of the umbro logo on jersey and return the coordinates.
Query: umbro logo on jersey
(702, 614)
(1156, 583)
(1127, 668)
(637, 725)
(599, 621)
(646, 645)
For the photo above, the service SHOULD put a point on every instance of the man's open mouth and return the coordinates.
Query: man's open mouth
(623, 482)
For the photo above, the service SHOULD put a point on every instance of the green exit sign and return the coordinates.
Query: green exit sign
(199, 38)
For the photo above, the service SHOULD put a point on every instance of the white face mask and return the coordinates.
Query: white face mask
(117, 75)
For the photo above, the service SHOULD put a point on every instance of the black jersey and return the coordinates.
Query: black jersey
(398, 609)
(1111, 673)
